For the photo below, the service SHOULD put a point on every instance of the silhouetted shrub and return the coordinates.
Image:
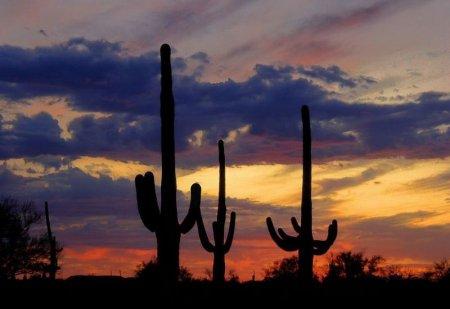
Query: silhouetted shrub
(286, 269)
(185, 275)
(149, 271)
(440, 272)
(393, 272)
(232, 276)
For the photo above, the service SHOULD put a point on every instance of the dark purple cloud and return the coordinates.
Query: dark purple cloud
(30, 136)
(98, 76)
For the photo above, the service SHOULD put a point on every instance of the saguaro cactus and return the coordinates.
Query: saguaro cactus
(304, 242)
(221, 246)
(53, 267)
(164, 223)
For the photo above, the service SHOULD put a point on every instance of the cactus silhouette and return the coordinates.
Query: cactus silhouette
(221, 246)
(53, 267)
(304, 242)
(164, 222)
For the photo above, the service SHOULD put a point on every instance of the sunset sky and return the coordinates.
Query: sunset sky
(79, 99)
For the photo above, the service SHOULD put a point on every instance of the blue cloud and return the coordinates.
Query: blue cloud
(30, 136)
(334, 74)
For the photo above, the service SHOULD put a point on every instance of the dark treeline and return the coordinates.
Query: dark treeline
(351, 279)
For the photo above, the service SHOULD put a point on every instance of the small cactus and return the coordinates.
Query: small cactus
(304, 243)
(164, 222)
(53, 267)
(221, 246)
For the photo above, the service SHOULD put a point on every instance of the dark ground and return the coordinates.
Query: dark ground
(130, 293)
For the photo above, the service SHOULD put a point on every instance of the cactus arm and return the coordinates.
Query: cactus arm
(189, 221)
(321, 246)
(284, 244)
(230, 234)
(204, 240)
(295, 225)
(285, 236)
(147, 201)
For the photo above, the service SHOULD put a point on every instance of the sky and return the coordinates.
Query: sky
(79, 98)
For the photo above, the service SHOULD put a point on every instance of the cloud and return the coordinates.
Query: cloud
(30, 136)
(180, 18)
(83, 206)
(333, 74)
(395, 235)
(354, 17)
(329, 185)
(88, 72)
(98, 76)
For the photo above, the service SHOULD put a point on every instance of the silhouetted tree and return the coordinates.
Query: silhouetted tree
(20, 252)
(221, 246)
(304, 242)
(164, 222)
(350, 266)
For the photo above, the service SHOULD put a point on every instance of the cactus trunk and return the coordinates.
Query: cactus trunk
(164, 221)
(219, 255)
(221, 246)
(306, 253)
(219, 267)
(304, 242)
(169, 240)
(53, 267)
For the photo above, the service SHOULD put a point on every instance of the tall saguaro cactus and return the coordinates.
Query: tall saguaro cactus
(164, 222)
(53, 249)
(304, 242)
(221, 246)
